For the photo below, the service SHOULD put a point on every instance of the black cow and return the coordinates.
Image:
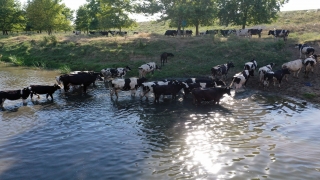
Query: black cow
(205, 80)
(222, 69)
(40, 89)
(104, 33)
(279, 33)
(170, 89)
(171, 33)
(92, 32)
(164, 57)
(305, 49)
(14, 95)
(275, 76)
(84, 79)
(192, 86)
(209, 94)
(256, 32)
(212, 32)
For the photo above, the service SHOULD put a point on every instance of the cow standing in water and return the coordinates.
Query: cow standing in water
(209, 94)
(14, 95)
(40, 89)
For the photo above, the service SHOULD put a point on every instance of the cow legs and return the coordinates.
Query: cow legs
(1, 102)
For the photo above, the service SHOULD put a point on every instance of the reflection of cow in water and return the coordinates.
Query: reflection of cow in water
(164, 57)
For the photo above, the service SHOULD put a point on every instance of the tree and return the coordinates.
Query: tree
(11, 16)
(247, 12)
(48, 15)
(82, 21)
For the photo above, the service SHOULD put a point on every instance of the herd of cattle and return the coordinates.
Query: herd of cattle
(202, 89)
(277, 33)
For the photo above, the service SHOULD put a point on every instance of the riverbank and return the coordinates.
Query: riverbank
(193, 56)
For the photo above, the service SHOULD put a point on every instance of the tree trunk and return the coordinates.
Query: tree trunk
(197, 29)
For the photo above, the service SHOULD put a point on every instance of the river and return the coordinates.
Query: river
(250, 135)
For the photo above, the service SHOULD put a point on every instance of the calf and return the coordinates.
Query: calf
(294, 66)
(251, 66)
(209, 94)
(305, 49)
(39, 89)
(222, 69)
(131, 84)
(309, 64)
(170, 89)
(240, 79)
(275, 76)
(264, 69)
(14, 95)
(147, 68)
(164, 57)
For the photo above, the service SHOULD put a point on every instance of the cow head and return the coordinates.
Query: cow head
(56, 87)
(25, 93)
(230, 65)
(227, 90)
(271, 32)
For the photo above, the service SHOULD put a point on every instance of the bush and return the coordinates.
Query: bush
(16, 60)
(65, 69)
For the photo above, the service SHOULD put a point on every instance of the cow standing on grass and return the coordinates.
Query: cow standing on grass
(164, 57)
(305, 49)
(221, 70)
(147, 68)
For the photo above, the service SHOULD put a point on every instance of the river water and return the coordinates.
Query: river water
(250, 135)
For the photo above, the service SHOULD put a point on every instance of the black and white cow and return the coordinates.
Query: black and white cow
(240, 79)
(275, 76)
(222, 69)
(294, 66)
(41, 89)
(114, 72)
(309, 63)
(305, 49)
(14, 95)
(264, 69)
(147, 87)
(256, 32)
(192, 86)
(279, 33)
(251, 66)
(227, 32)
(170, 89)
(129, 84)
(164, 57)
(147, 68)
(209, 94)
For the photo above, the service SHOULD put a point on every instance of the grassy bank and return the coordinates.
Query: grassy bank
(194, 56)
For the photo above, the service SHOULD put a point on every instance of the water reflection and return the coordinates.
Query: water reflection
(248, 136)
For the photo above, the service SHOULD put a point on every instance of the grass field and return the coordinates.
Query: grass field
(194, 56)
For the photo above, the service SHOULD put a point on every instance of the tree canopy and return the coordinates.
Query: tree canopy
(11, 16)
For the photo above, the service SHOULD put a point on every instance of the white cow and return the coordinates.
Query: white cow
(147, 68)
(294, 66)
(243, 32)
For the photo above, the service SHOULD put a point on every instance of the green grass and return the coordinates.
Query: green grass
(194, 56)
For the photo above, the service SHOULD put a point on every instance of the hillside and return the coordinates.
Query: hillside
(194, 56)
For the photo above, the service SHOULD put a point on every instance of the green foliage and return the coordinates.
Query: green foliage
(17, 61)
(309, 95)
(11, 16)
(64, 69)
